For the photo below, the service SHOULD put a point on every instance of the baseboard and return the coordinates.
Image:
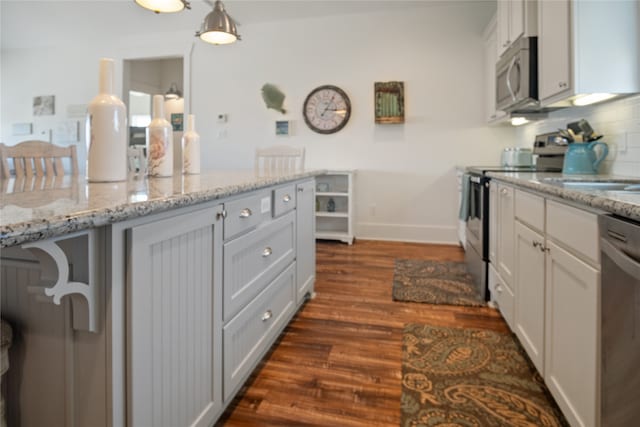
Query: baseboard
(447, 235)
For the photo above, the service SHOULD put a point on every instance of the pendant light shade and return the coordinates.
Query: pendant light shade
(218, 27)
(164, 6)
(173, 92)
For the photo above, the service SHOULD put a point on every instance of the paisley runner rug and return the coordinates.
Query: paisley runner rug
(471, 377)
(434, 282)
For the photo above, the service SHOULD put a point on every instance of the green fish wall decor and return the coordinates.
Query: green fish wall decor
(273, 97)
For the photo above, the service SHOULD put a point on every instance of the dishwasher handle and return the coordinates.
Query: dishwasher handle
(621, 259)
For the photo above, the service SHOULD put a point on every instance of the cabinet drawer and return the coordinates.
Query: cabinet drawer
(247, 212)
(252, 331)
(575, 229)
(284, 200)
(530, 209)
(503, 296)
(251, 261)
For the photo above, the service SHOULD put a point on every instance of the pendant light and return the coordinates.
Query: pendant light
(218, 27)
(164, 6)
(173, 92)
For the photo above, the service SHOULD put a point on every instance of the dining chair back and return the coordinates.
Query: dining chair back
(279, 159)
(38, 158)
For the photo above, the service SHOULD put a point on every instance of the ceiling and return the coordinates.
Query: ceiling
(24, 21)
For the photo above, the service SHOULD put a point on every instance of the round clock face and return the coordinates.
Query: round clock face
(327, 109)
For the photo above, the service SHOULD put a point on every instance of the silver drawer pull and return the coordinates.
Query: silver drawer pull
(286, 198)
(245, 213)
(267, 315)
(266, 252)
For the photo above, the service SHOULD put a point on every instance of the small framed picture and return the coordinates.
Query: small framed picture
(283, 128)
(177, 120)
(44, 105)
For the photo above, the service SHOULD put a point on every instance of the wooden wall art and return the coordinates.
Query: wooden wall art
(389, 102)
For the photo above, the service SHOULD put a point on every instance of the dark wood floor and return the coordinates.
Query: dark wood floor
(338, 363)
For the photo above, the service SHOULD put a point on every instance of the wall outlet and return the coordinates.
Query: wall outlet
(221, 118)
(372, 209)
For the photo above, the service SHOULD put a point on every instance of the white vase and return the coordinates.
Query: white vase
(159, 141)
(191, 148)
(106, 131)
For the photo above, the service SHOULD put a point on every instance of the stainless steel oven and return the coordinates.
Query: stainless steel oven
(620, 321)
(476, 253)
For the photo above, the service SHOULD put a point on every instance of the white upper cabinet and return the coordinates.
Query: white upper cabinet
(586, 47)
(490, 59)
(515, 18)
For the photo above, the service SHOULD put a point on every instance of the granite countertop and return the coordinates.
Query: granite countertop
(38, 208)
(625, 204)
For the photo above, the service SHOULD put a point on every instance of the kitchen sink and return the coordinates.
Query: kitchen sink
(630, 185)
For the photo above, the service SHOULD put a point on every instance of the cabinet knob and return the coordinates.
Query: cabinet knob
(499, 289)
(267, 315)
(245, 213)
(300, 189)
(504, 191)
(266, 252)
(286, 198)
(221, 215)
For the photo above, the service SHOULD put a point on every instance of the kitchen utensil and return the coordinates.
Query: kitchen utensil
(581, 127)
(565, 134)
(581, 158)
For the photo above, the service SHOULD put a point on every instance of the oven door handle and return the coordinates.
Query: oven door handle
(622, 260)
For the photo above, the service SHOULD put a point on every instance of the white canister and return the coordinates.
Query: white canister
(191, 148)
(106, 131)
(516, 156)
(159, 141)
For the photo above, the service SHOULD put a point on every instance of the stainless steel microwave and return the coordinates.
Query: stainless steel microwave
(517, 76)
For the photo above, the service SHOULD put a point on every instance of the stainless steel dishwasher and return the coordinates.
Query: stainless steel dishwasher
(620, 321)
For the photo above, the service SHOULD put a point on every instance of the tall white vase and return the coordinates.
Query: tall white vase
(159, 141)
(106, 131)
(191, 148)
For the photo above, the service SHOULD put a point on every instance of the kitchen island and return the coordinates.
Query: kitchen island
(148, 302)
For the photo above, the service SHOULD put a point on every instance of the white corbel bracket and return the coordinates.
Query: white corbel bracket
(55, 269)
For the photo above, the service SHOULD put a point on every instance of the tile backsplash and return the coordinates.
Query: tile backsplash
(618, 121)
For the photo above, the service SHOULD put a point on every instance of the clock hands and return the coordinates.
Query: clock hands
(327, 107)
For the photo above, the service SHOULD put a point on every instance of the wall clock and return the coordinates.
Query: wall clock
(327, 109)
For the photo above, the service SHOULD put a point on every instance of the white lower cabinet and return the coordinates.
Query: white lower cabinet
(503, 296)
(571, 338)
(552, 304)
(529, 318)
(501, 249)
(174, 320)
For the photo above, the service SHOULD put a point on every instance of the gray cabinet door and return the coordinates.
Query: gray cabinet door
(174, 320)
(305, 240)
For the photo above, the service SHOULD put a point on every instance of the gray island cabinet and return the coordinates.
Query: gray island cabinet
(154, 309)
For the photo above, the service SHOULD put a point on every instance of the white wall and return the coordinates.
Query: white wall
(405, 183)
(618, 121)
